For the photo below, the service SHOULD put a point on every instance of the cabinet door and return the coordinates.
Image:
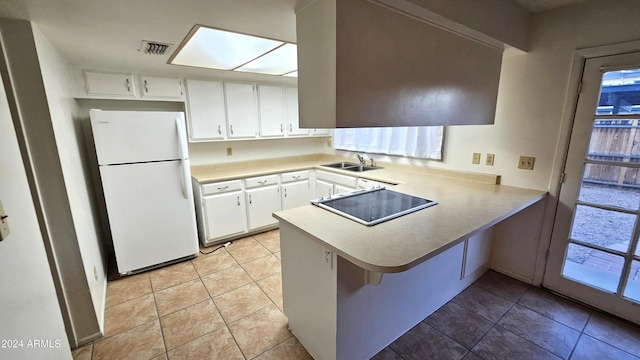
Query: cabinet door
(224, 215)
(109, 85)
(242, 112)
(339, 189)
(320, 132)
(205, 110)
(293, 122)
(271, 104)
(261, 203)
(323, 188)
(162, 88)
(295, 194)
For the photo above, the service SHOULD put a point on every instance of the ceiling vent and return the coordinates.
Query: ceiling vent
(154, 47)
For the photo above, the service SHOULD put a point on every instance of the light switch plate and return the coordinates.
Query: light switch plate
(490, 159)
(476, 158)
(4, 224)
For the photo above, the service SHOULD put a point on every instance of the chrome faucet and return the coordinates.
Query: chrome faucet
(361, 159)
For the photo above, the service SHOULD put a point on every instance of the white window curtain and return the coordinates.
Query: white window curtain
(423, 142)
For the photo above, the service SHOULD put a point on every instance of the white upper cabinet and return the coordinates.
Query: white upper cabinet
(293, 124)
(387, 76)
(242, 110)
(271, 104)
(205, 110)
(161, 87)
(101, 84)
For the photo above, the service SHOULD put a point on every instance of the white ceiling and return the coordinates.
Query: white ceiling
(108, 33)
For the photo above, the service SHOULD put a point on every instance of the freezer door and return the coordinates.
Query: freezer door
(151, 220)
(123, 137)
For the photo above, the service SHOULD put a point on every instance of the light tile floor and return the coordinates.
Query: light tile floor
(228, 305)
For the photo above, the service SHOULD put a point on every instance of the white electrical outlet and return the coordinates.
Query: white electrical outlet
(526, 162)
(4, 224)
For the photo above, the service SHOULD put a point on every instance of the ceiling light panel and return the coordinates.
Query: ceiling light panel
(218, 49)
(280, 61)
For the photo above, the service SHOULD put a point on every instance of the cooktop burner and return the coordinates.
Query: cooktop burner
(373, 206)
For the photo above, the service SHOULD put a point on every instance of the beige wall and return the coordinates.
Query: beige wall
(75, 170)
(216, 152)
(29, 308)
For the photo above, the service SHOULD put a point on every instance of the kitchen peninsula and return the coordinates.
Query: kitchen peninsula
(348, 289)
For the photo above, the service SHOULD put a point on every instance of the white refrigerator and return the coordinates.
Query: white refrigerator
(144, 168)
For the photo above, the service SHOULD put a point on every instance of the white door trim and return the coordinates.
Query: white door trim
(568, 114)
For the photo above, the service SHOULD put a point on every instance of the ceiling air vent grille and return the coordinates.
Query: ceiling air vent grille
(154, 47)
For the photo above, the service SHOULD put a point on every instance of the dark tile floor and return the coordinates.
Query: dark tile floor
(501, 318)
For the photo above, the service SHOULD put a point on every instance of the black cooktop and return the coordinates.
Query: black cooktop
(373, 206)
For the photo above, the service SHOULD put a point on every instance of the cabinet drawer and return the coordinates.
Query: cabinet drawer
(337, 178)
(261, 180)
(295, 176)
(220, 187)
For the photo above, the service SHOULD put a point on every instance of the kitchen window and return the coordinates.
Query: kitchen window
(423, 142)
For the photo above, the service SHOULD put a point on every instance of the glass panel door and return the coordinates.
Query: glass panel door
(594, 254)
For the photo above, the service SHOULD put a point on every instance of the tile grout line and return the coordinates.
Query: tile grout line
(511, 307)
(226, 324)
(155, 301)
(216, 306)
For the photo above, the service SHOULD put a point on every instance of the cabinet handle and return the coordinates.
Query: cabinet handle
(250, 201)
(238, 200)
(262, 182)
(290, 128)
(231, 129)
(219, 130)
(146, 87)
(281, 128)
(180, 87)
(128, 86)
(285, 192)
(223, 188)
(296, 177)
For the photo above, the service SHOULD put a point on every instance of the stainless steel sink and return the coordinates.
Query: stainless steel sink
(341, 165)
(351, 166)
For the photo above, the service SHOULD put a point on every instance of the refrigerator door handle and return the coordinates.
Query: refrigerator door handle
(184, 163)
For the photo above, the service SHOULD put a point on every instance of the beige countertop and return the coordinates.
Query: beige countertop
(467, 203)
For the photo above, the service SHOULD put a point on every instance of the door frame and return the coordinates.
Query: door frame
(568, 117)
(566, 125)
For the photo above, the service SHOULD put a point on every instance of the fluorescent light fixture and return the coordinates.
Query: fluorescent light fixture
(282, 60)
(225, 50)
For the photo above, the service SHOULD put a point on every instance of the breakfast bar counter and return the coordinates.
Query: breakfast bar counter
(349, 290)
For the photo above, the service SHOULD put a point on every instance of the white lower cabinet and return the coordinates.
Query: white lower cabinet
(225, 215)
(263, 199)
(235, 208)
(329, 183)
(221, 211)
(296, 189)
